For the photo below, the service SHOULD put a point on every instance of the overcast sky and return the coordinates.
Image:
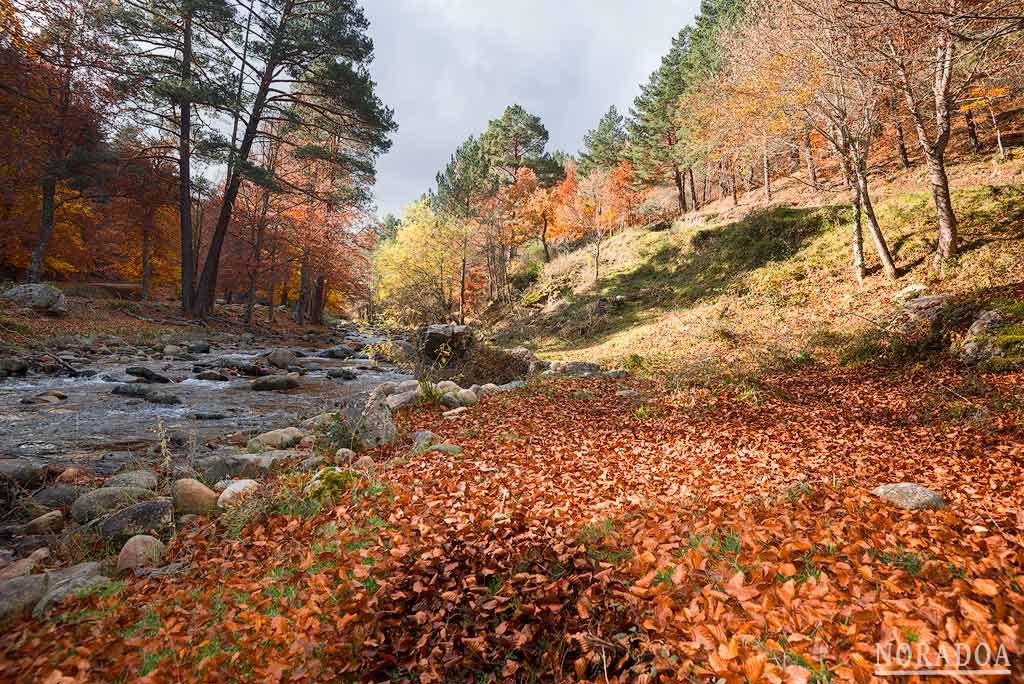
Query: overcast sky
(449, 66)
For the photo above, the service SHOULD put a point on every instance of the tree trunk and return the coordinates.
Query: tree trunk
(35, 268)
(735, 201)
(693, 193)
(812, 171)
(680, 192)
(544, 241)
(948, 238)
(972, 132)
(999, 134)
(884, 255)
(147, 249)
(184, 169)
(766, 177)
(319, 300)
(901, 143)
(462, 287)
(858, 237)
(270, 299)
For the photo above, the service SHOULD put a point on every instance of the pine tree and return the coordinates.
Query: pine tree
(605, 145)
(464, 182)
(515, 140)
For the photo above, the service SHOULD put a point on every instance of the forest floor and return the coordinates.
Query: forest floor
(694, 533)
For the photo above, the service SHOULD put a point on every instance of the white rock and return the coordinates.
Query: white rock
(236, 492)
(910, 495)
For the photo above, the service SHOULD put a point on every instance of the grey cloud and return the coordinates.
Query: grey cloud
(448, 66)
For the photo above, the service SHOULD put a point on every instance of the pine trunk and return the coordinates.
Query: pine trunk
(681, 193)
(35, 268)
(185, 171)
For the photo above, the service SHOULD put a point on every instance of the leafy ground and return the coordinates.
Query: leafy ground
(706, 533)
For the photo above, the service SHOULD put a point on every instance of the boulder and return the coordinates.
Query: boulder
(192, 496)
(277, 439)
(270, 383)
(20, 472)
(63, 583)
(423, 440)
(344, 456)
(19, 595)
(281, 358)
(99, 502)
(387, 388)
(146, 375)
(446, 386)
(141, 518)
(172, 350)
(910, 292)
(580, 368)
(978, 345)
(909, 495)
(402, 400)
(11, 367)
(928, 308)
(236, 492)
(141, 551)
(467, 397)
(406, 386)
(341, 374)
(212, 376)
(453, 449)
(444, 344)
(510, 386)
(38, 297)
(489, 388)
(451, 401)
(227, 466)
(339, 353)
(199, 347)
(320, 421)
(145, 479)
(370, 421)
(311, 464)
(364, 464)
(25, 566)
(47, 523)
(155, 397)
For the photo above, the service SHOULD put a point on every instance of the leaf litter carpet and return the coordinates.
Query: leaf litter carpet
(699, 535)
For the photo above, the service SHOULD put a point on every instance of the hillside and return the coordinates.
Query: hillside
(742, 287)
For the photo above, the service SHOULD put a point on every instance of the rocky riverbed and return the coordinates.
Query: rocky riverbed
(121, 399)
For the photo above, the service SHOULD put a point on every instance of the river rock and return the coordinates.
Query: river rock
(19, 471)
(510, 386)
(446, 386)
(341, 374)
(211, 375)
(274, 383)
(24, 566)
(147, 375)
(370, 421)
(146, 479)
(166, 398)
(909, 495)
(172, 350)
(141, 551)
(402, 400)
(406, 386)
(64, 583)
(38, 297)
(227, 466)
(277, 439)
(281, 358)
(47, 523)
(199, 347)
(444, 343)
(467, 397)
(131, 390)
(192, 496)
(450, 401)
(12, 367)
(19, 595)
(236, 492)
(57, 495)
(311, 464)
(339, 353)
(99, 502)
(141, 518)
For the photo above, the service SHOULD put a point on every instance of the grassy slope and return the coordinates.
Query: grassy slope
(744, 286)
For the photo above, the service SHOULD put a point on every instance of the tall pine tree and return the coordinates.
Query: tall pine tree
(605, 145)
